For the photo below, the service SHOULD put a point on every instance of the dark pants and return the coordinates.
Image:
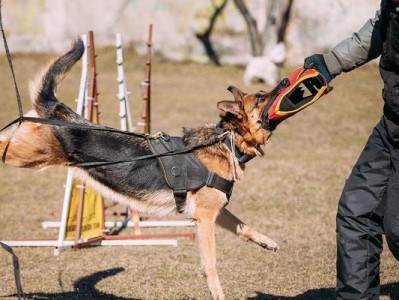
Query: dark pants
(369, 207)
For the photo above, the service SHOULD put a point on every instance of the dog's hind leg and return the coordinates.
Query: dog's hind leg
(230, 222)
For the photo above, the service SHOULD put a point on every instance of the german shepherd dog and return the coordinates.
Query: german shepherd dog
(140, 184)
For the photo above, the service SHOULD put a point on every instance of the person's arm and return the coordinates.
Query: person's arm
(361, 47)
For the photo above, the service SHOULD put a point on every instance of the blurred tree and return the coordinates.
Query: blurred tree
(266, 40)
(276, 18)
(264, 33)
(255, 36)
(205, 37)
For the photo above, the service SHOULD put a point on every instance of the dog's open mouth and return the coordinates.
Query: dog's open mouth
(264, 116)
(279, 88)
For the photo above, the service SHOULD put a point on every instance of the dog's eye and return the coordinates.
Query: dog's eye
(260, 99)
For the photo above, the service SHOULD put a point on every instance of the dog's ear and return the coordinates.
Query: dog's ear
(233, 107)
(238, 95)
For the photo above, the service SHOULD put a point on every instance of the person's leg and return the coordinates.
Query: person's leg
(391, 215)
(359, 221)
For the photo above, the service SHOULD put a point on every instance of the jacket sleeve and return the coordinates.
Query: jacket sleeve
(360, 48)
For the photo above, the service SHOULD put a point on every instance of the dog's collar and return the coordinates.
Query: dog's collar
(242, 157)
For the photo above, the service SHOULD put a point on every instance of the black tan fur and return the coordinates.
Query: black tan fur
(141, 184)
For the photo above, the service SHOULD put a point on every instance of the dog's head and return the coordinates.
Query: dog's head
(245, 115)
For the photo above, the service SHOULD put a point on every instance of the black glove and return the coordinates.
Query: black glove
(317, 62)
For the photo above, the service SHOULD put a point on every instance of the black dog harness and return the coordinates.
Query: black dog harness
(184, 172)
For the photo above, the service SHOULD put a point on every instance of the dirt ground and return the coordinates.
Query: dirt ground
(291, 194)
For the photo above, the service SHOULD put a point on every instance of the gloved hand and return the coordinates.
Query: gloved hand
(317, 62)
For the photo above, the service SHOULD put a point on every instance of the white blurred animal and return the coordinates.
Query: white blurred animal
(266, 68)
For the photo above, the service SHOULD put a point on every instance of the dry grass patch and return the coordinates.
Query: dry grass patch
(291, 194)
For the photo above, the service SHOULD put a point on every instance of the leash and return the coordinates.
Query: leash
(17, 273)
(7, 248)
(212, 141)
(73, 125)
(233, 155)
(20, 111)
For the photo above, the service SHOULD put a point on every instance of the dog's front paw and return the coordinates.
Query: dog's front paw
(269, 244)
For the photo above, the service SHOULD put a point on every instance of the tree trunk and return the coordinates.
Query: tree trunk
(205, 37)
(277, 18)
(255, 38)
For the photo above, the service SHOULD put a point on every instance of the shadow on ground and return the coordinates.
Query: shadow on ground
(390, 289)
(85, 288)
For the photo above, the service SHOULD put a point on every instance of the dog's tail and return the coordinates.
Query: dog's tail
(44, 91)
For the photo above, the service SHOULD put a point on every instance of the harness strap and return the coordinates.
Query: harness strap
(180, 199)
(215, 181)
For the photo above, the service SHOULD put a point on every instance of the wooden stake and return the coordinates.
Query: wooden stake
(146, 111)
(92, 114)
(92, 107)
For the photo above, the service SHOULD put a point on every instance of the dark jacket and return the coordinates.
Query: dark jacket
(379, 36)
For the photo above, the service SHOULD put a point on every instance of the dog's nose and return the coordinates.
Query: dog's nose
(282, 85)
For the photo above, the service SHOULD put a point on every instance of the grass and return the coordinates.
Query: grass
(291, 194)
